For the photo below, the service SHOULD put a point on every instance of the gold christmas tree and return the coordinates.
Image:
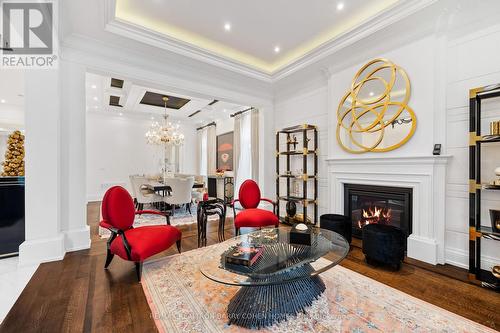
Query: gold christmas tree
(14, 155)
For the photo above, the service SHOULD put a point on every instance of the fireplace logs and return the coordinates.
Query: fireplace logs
(375, 214)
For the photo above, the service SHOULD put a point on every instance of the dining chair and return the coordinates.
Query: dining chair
(181, 192)
(142, 193)
(197, 193)
(134, 191)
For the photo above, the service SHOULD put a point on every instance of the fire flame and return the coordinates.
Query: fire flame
(375, 215)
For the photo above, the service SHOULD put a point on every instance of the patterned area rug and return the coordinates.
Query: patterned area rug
(181, 217)
(183, 300)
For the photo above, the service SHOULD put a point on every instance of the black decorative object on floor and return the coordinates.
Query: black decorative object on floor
(212, 206)
(383, 244)
(338, 223)
(262, 306)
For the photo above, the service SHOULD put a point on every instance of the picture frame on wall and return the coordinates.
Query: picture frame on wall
(225, 150)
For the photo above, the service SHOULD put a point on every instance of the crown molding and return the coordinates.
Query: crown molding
(385, 18)
(102, 58)
(148, 36)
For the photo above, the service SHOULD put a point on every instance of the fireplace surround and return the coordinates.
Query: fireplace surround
(367, 204)
(425, 175)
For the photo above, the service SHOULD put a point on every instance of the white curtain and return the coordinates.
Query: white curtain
(211, 150)
(254, 115)
(202, 153)
(236, 146)
(245, 159)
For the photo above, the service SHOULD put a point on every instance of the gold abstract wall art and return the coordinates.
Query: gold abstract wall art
(374, 115)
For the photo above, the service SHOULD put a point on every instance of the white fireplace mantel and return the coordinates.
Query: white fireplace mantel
(425, 175)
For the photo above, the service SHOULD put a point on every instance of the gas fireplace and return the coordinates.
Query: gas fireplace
(367, 204)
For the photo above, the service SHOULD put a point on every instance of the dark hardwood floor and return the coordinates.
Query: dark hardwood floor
(77, 294)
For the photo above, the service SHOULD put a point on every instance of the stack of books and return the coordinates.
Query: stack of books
(244, 255)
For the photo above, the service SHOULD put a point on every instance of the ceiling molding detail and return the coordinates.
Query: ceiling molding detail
(391, 15)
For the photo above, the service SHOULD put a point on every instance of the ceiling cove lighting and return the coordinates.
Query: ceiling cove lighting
(227, 26)
(124, 12)
(340, 6)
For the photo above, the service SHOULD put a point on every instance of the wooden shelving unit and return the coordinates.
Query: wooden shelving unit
(476, 187)
(308, 133)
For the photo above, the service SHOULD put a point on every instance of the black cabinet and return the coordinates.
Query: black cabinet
(228, 188)
(11, 214)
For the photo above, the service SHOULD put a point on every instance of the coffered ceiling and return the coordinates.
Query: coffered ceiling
(137, 101)
(261, 34)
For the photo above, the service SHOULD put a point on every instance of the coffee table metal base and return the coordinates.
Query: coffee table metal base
(262, 306)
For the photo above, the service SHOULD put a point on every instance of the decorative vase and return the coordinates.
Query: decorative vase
(495, 220)
(496, 182)
(496, 271)
(291, 209)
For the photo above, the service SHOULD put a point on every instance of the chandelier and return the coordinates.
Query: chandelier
(166, 133)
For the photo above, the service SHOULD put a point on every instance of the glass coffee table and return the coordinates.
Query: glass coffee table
(284, 278)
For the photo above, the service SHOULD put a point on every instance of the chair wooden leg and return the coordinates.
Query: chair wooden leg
(178, 243)
(138, 270)
(109, 257)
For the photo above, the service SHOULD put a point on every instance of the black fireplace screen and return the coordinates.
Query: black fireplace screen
(367, 204)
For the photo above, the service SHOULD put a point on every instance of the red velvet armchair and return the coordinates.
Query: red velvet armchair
(127, 242)
(252, 217)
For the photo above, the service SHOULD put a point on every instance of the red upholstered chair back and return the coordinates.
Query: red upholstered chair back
(249, 194)
(118, 208)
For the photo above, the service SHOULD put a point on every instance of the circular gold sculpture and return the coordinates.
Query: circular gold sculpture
(377, 100)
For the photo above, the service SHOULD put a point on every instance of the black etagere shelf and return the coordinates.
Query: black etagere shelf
(306, 148)
(476, 187)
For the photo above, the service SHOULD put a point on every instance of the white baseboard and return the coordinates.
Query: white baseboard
(457, 257)
(460, 258)
(33, 252)
(423, 249)
(76, 240)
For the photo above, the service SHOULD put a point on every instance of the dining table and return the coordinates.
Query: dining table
(165, 188)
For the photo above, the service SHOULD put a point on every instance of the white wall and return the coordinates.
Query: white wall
(441, 71)
(471, 64)
(11, 115)
(309, 107)
(117, 148)
(224, 125)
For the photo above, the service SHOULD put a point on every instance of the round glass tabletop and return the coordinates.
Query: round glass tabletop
(272, 256)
